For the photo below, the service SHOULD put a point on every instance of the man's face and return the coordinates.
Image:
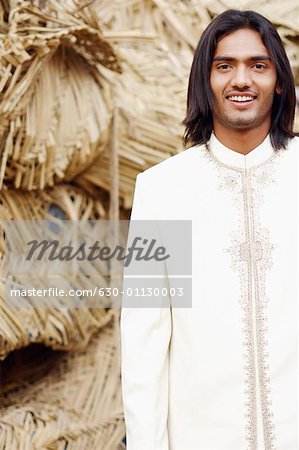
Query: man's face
(243, 81)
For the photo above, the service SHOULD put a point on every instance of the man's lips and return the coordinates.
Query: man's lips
(241, 100)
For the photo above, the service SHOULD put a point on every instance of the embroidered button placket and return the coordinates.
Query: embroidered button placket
(251, 257)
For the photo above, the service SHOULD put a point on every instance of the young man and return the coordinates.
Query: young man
(222, 375)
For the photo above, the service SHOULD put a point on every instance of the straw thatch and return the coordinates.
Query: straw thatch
(68, 400)
(64, 201)
(55, 94)
(59, 328)
(69, 202)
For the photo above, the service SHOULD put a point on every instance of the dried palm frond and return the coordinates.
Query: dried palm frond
(59, 328)
(57, 75)
(71, 201)
(76, 402)
(146, 137)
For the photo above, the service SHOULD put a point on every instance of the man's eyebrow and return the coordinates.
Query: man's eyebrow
(251, 58)
(261, 58)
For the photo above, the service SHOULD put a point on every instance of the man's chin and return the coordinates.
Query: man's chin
(242, 126)
(241, 123)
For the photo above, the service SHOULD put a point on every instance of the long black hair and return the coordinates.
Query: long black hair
(198, 121)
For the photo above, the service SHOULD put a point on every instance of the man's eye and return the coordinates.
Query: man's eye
(260, 66)
(223, 66)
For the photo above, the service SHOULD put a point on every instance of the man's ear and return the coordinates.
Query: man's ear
(278, 90)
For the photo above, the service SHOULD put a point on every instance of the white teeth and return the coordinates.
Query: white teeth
(240, 98)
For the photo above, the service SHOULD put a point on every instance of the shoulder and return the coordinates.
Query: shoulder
(164, 190)
(180, 165)
(292, 150)
(294, 142)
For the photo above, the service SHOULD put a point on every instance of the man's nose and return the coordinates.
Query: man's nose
(241, 77)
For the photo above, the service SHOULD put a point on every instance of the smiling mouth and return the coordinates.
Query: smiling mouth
(241, 99)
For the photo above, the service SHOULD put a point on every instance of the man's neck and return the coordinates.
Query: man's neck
(241, 141)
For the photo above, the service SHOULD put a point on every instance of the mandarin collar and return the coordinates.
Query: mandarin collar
(232, 158)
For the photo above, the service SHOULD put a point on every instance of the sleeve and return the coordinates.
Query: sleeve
(145, 338)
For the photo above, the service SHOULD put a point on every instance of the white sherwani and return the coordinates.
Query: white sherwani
(223, 374)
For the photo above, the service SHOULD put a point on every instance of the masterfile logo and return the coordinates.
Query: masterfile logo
(141, 249)
(98, 263)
